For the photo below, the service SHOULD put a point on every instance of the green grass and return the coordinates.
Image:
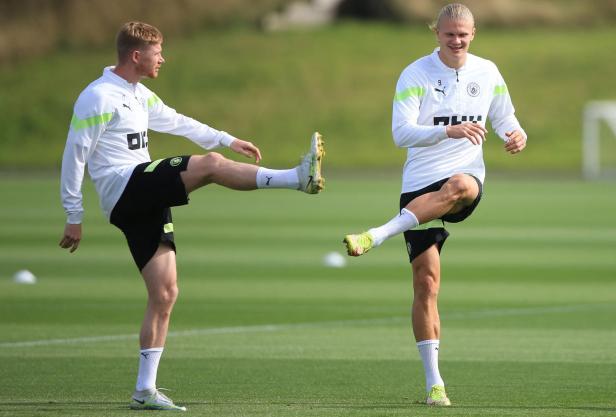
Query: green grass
(262, 328)
(276, 88)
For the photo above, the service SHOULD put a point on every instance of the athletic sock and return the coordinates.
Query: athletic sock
(148, 367)
(277, 178)
(428, 350)
(404, 221)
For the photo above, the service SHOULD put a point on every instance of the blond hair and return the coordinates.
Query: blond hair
(453, 11)
(136, 36)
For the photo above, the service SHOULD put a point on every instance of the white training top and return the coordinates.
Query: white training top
(431, 95)
(108, 132)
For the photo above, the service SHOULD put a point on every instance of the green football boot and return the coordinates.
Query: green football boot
(311, 180)
(438, 397)
(358, 244)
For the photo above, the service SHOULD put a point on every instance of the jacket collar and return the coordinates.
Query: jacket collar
(114, 78)
(441, 65)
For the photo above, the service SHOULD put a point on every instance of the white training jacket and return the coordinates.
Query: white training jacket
(108, 132)
(429, 96)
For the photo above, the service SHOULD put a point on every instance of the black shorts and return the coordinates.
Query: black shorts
(424, 236)
(142, 213)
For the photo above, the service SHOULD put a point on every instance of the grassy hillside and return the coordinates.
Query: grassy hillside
(275, 89)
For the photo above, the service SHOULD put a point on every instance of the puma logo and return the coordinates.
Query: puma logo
(268, 180)
(440, 91)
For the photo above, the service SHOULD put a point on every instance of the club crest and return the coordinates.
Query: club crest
(473, 89)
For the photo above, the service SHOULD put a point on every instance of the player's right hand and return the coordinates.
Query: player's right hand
(474, 132)
(72, 237)
(247, 149)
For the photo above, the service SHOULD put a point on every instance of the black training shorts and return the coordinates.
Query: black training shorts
(422, 237)
(142, 213)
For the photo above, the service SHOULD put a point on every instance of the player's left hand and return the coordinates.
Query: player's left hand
(246, 148)
(515, 142)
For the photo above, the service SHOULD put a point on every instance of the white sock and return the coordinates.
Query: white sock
(404, 221)
(148, 367)
(428, 350)
(277, 178)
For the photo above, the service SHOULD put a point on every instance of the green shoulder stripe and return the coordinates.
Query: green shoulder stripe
(500, 90)
(153, 100)
(410, 92)
(78, 124)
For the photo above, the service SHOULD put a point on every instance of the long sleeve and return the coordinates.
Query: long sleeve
(501, 113)
(165, 119)
(89, 121)
(406, 131)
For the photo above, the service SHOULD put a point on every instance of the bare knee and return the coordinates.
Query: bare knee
(426, 283)
(209, 164)
(460, 187)
(164, 297)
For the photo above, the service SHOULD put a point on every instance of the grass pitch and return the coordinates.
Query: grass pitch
(262, 328)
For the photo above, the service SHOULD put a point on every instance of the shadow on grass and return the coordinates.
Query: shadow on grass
(416, 404)
(52, 406)
(56, 405)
